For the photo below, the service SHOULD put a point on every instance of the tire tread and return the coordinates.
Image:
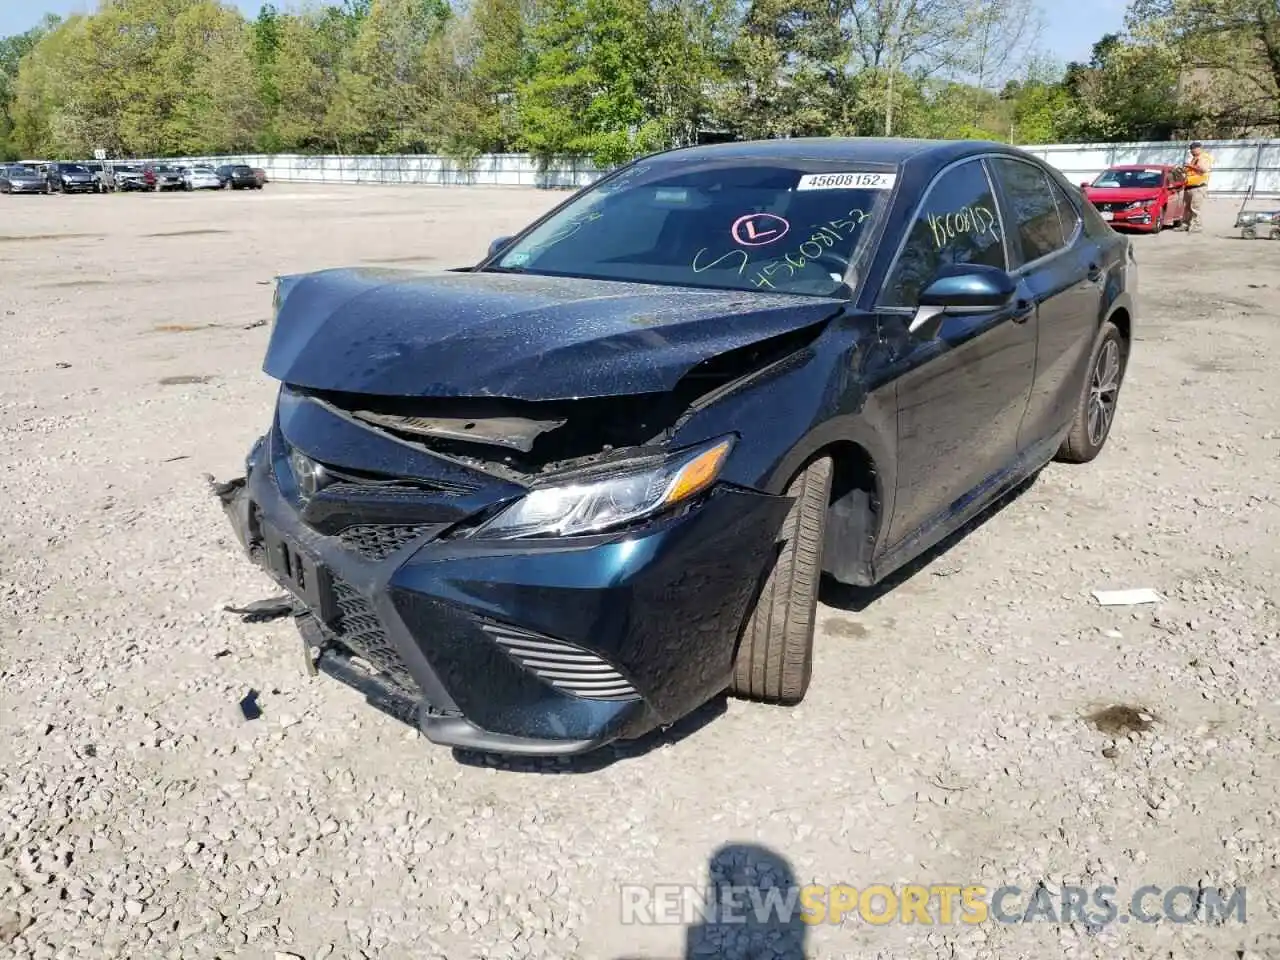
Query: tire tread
(775, 658)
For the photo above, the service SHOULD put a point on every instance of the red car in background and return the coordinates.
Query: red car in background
(1141, 196)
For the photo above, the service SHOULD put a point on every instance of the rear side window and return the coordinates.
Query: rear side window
(1067, 212)
(958, 223)
(1033, 208)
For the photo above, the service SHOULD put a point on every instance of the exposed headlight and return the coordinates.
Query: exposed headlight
(593, 503)
(310, 476)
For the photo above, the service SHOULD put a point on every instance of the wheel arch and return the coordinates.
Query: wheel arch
(862, 493)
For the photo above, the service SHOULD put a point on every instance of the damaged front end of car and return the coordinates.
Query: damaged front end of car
(523, 576)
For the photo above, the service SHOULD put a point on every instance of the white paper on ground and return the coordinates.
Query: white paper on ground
(1126, 598)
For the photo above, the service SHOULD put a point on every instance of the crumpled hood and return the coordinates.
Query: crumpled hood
(399, 333)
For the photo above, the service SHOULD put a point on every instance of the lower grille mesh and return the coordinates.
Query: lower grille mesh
(360, 631)
(564, 666)
(377, 541)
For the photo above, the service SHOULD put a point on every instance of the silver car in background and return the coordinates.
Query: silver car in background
(200, 178)
(16, 178)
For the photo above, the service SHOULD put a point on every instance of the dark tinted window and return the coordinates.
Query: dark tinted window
(1067, 212)
(1033, 208)
(786, 226)
(957, 224)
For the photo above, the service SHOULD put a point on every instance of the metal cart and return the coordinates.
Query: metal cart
(1259, 223)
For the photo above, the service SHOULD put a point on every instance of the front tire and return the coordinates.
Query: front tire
(1096, 405)
(775, 655)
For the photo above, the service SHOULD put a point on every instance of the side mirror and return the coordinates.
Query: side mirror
(1084, 184)
(959, 289)
(496, 247)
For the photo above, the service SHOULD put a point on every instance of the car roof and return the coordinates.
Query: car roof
(1141, 166)
(881, 150)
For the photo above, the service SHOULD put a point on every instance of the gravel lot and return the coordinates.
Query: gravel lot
(946, 737)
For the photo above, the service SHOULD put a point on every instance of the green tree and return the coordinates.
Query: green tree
(1229, 48)
(12, 50)
(309, 58)
(585, 92)
(378, 104)
(1128, 91)
(266, 49)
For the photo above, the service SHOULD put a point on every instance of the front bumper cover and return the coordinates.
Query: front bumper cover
(536, 647)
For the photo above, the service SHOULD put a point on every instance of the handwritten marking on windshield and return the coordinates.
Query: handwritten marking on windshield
(758, 229)
(570, 228)
(824, 237)
(721, 259)
(975, 220)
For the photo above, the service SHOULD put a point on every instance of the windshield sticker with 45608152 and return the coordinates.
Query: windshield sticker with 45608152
(824, 237)
(847, 181)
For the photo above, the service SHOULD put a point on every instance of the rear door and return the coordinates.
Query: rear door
(960, 395)
(1062, 268)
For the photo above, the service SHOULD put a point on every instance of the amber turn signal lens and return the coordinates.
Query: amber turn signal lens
(698, 474)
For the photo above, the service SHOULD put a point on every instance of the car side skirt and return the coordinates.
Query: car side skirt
(967, 508)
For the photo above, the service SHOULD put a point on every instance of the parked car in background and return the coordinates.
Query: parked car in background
(200, 178)
(575, 491)
(167, 177)
(260, 175)
(98, 170)
(238, 176)
(69, 178)
(17, 178)
(128, 176)
(1145, 197)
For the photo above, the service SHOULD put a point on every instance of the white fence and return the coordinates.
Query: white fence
(1240, 166)
(491, 170)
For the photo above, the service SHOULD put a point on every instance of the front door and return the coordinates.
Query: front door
(961, 395)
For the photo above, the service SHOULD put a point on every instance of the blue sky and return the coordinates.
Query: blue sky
(1072, 26)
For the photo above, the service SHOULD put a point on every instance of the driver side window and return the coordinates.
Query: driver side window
(958, 223)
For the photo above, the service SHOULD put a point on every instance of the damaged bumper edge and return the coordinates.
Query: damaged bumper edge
(549, 647)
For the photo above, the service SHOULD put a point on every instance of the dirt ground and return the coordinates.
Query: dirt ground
(946, 738)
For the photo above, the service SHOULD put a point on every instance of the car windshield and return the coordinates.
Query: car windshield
(788, 226)
(1130, 178)
(203, 171)
(73, 168)
(241, 170)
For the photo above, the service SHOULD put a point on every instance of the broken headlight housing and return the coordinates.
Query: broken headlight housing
(573, 505)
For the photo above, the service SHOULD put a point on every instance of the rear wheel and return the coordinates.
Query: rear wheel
(775, 655)
(1096, 405)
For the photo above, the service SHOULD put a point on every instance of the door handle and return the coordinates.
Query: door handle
(1095, 273)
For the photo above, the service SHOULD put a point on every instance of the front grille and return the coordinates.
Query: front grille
(359, 630)
(564, 666)
(377, 541)
(1116, 206)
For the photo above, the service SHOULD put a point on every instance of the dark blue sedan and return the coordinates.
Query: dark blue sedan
(572, 493)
